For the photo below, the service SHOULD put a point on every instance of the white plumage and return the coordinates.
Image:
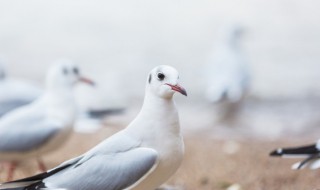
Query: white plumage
(227, 72)
(44, 125)
(15, 93)
(141, 157)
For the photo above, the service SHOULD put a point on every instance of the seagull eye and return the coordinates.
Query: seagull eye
(76, 70)
(160, 76)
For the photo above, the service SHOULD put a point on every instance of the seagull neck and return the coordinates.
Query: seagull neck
(157, 104)
(60, 94)
(157, 115)
(61, 105)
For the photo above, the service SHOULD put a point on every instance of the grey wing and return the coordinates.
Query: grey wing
(8, 106)
(115, 171)
(28, 135)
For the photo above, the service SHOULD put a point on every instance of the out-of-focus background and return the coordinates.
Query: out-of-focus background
(118, 42)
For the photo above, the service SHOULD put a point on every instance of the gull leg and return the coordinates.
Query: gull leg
(12, 168)
(41, 165)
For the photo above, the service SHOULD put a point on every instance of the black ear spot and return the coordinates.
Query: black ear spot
(65, 71)
(150, 78)
(161, 76)
(76, 70)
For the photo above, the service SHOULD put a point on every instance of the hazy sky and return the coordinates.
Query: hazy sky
(120, 41)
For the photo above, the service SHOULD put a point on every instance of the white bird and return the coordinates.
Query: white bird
(227, 74)
(311, 153)
(141, 157)
(15, 93)
(44, 125)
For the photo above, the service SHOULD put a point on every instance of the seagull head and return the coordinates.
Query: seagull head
(65, 74)
(232, 34)
(163, 82)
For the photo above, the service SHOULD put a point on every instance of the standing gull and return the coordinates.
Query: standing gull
(227, 73)
(15, 93)
(141, 157)
(311, 153)
(44, 125)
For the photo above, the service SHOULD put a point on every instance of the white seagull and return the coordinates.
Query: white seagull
(44, 125)
(311, 153)
(227, 71)
(15, 93)
(227, 75)
(141, 157)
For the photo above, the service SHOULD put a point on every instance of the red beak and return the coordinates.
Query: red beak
(86, 80)
(178, 88)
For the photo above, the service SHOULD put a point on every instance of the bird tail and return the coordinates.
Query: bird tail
(297, 151)
(28, 185)
(33, 182)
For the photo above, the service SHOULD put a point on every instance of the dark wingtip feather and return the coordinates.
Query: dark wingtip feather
(33, 182)
(303, 150)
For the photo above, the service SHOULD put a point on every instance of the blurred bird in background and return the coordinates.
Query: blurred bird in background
(94, 106)
(311, 153)
(15, 93)
(135, 158)
(44, 125)
(227, 73)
